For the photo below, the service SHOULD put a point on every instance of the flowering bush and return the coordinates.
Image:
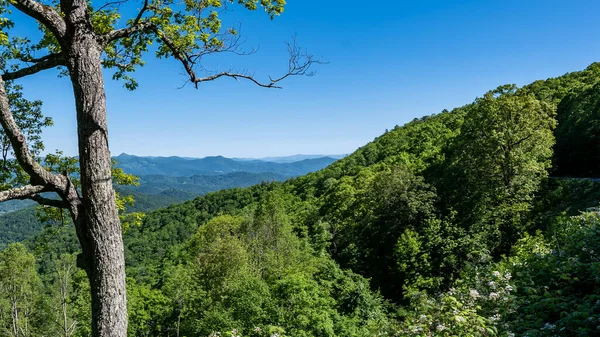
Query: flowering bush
(559, 280)
(547, 287)
(476, 306)
(269, 331)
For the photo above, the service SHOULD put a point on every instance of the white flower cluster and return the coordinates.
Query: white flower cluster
(460, 311)
(236, 333)
(495, 318)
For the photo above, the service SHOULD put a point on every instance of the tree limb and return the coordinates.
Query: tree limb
(31, 59)
(24, 192)
(38, 175)
(123, 33)
(115, 3)
(46, 62)
(47, 15)
(299, 64)
(141, 13)
(236, 76)
(49, 202)
(135, 27)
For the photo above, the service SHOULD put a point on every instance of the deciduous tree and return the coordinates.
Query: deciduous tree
(502, 155)
(19, 283)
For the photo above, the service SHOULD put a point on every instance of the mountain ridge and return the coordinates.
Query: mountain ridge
(215, 165)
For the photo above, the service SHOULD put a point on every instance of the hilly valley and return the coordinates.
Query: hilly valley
(476, 221)
(167, 180)
(274, 168)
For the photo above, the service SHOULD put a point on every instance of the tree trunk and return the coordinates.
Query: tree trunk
(97, 220)
(15, 318)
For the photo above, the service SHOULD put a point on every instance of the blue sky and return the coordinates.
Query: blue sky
(390, 61)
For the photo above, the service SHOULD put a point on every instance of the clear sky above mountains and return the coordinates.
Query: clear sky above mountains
(390, 61)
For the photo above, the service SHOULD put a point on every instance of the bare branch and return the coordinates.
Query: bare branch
(24, 192)
(141, 13)
(237, 76)
(43, 63)
(299, 64)
(49, 202)
(231, 43)
(116, 3)
(47, 15)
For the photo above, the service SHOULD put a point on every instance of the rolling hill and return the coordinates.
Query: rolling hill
(185, 167)
(161, 185)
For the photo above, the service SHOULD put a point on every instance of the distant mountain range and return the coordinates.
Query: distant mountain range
(157, 191)
(218, 165)
(166, 180)
(294, 158)
(175, 179)
(14, 205)
(169, 180)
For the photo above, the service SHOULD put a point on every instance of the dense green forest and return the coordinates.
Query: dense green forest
(479, 221)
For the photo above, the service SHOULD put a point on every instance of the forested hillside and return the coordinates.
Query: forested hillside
(463, 223)
(18, 221)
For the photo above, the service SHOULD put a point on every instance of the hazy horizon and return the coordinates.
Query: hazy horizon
(338, 155)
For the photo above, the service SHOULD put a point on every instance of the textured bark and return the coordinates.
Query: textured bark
(94, 213)
(20, 192)
(98, 225)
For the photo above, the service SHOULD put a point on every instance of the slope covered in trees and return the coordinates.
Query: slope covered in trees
(456, 224)
(152, 192)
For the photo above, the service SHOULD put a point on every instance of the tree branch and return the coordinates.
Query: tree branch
(49, 202)
(237, 76)
(46, 62)
(24, 192)
(47, 15)
(299, 64)
(38, 175)
(135, 27)
(31, 192)
(123, 33)
(141, 13)
(31, 59)
(115, 3)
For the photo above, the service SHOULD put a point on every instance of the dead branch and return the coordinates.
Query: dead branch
(299, 64)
